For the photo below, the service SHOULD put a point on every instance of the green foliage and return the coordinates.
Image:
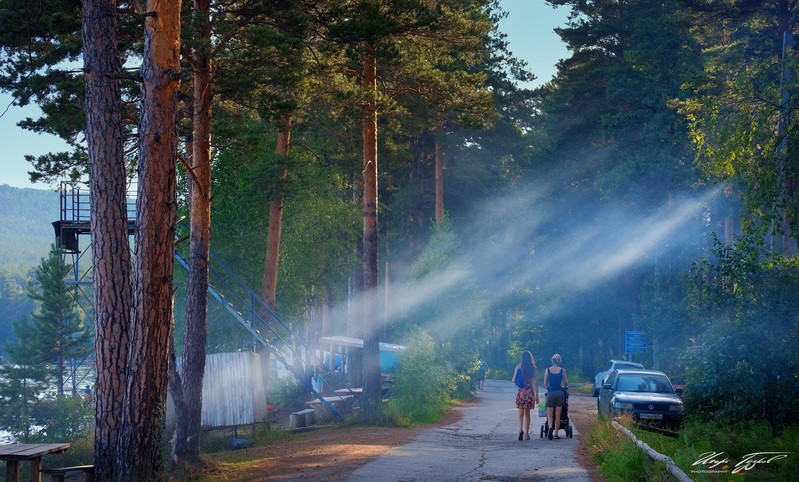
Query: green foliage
(21, 385)
(64, 418)
(58, 331)
(747, 300)
(618, 457)
(382, 416)
(262, 435)
(287, 394)
(80, 453)
(423, 382)
(700, 436)
(13, 296)
(740, 108)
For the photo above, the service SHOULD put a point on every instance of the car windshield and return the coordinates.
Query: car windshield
(644, 383)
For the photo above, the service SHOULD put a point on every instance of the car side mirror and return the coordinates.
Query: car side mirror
(607, 387)
(679, 391)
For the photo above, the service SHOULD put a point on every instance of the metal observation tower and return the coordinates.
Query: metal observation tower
(73, 235)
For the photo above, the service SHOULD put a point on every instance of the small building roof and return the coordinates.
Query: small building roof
(357, 343)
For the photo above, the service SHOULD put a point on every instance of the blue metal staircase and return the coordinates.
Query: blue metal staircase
(247, 307)
(225, 286)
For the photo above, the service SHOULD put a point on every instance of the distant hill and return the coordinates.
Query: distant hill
(26, 232)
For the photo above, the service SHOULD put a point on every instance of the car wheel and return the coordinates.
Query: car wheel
(595, 393)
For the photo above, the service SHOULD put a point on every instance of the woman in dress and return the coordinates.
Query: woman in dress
(527, 395)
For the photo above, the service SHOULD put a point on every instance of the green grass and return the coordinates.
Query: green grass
(581, 387)
(214, 441)
(619, 459)
(735, 443)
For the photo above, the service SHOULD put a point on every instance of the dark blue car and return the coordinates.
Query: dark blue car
(646, 394)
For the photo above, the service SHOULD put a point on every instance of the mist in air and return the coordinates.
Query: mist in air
(554, 250)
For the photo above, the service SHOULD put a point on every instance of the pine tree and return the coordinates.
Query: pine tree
(57, 327)
(22, 379)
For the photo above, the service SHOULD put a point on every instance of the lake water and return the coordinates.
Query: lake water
(84, 377)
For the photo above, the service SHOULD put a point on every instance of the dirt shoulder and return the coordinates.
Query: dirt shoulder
(582, 414)
(329, 453)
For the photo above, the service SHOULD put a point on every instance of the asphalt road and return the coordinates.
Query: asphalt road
(482, 446)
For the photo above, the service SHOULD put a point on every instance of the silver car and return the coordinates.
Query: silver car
(600, 377)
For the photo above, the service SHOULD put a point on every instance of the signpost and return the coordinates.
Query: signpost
(634, 341)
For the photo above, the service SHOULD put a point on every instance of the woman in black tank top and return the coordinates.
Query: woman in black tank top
(555, 382)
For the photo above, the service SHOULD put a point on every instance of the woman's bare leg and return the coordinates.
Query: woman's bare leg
(527, 422)
(557, 419)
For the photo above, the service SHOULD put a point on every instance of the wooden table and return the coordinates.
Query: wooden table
(13, 454)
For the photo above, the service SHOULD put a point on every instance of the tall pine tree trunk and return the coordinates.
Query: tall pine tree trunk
(187, 429)
(110, 247)
(371, 347)
(275, 224)
(439, 162)
(139, 457)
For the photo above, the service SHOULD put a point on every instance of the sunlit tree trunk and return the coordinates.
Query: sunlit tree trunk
(139, 457)
(186, 445)
(275, 224)
(110, 247)
(371, 347)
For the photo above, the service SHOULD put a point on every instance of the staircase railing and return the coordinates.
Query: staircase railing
(247, 307)
(230, 291)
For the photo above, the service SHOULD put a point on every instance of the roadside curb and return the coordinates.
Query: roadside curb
(670, 465)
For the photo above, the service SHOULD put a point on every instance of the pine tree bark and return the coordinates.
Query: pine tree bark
(371, 346)
(275, 226)
(139, 455)
(186, 444)
(110, 247)
(439, 161)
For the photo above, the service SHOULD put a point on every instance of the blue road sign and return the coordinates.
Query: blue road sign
(634, 341)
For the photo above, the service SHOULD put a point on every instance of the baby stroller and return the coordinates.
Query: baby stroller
(564, 419)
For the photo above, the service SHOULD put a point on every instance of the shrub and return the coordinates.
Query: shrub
(287, 393)
(423, 382)
(63, 418)
(744, 366)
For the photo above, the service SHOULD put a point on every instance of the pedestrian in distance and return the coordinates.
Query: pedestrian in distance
(556, 383)
(481, 374)
(526, 379)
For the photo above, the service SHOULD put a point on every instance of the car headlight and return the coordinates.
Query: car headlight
(622, 406)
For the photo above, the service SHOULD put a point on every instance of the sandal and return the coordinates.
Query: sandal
(555, 437)
(527, 436)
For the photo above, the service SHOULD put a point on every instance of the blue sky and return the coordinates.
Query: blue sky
(529, 26)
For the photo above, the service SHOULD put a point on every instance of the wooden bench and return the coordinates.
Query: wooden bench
(58, 474)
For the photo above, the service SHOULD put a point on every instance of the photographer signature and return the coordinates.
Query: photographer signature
(711, 460)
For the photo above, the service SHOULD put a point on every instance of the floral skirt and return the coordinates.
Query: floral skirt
(525, 398)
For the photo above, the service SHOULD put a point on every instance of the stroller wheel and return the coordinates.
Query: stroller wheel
(569, 431)
(542, 431)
